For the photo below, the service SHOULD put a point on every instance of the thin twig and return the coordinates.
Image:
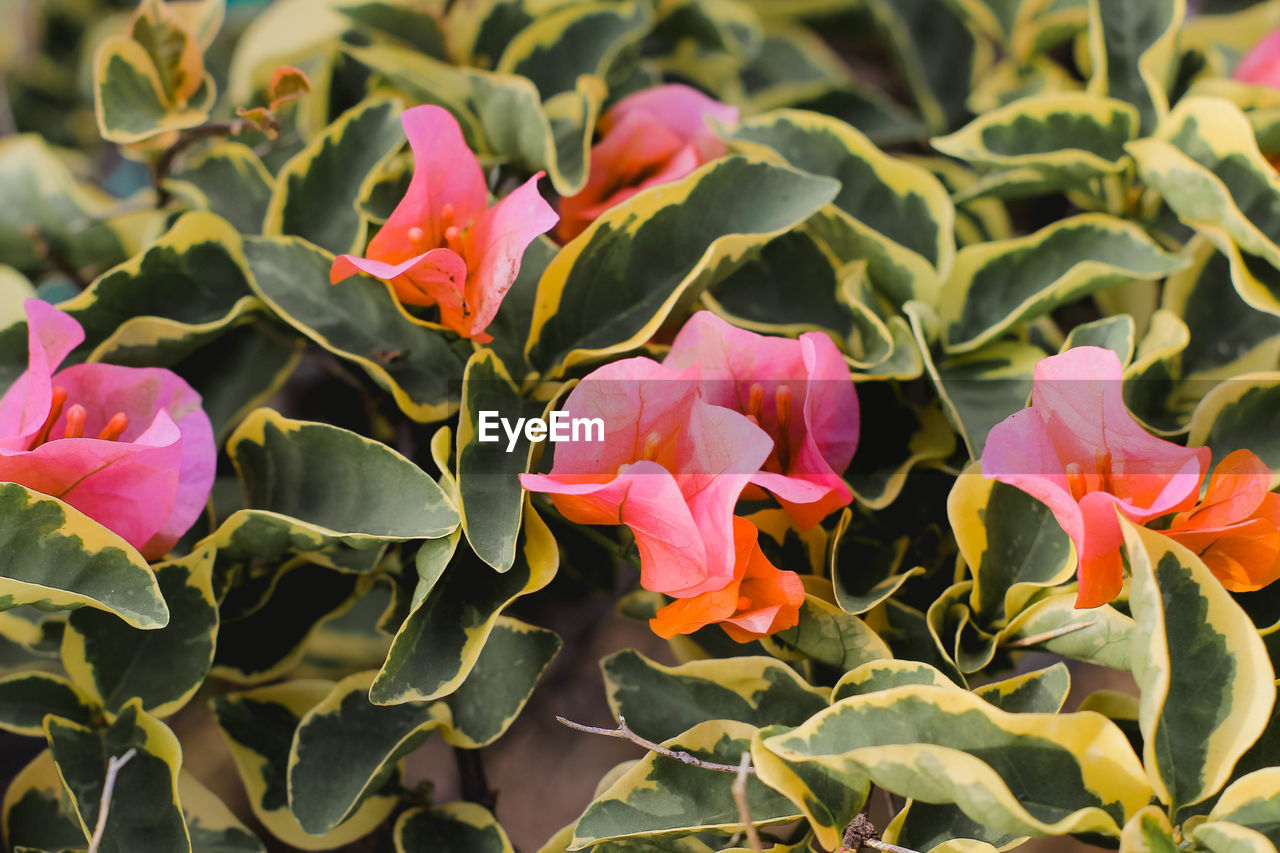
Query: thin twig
(1036, 639)
(740, 798)
(108, 786)
(622, 732)
(877, 844)
(187, 138)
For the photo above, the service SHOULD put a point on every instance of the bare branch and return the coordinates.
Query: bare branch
(877, 844)
(622, 732)
(740, 798)
(1036, 639)
(108, 787)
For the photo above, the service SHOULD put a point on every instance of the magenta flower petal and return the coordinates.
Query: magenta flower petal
(445, 172)
(1261, 65)
(681, 108)
(51, 336)
(1080, 452)
(499, 239)
(747, 372)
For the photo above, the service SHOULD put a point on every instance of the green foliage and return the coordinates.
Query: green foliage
(949, 191)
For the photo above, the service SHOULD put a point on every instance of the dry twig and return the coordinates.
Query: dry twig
(108, 786)
(624, 733)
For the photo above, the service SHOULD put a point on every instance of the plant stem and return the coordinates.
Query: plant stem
(108, 787)
(624, 733)
(186, 139)
(471, 776)
(744, 809)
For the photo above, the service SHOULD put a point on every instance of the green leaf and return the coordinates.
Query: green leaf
(365, 494)
(453, 826)
(1206, 164)
(977, 389)
(1115, 333)
(657, 248)
(828, 798)
(791, 287)
(1052, 624)
(43, 198)
(212, 826)
(1194, 728)
(1043, 691)
(895, 214)
(885, 674)
(1234, 416)
(163, 669)
(502, 116)
(191, 283)
(358, 320)
(417, 26)
(662, 796)
(26, 697)
(1132, 48)
(1067, 137)
(830, 636)
(1072, 772)
(258, 726)
(488, 481)
(145, 811)
(130, 98)
(441, 640)
(755, 690)
(228, 179)
(37, 815)
(902, 437)
(925, 826)
(57, 558)
(1148, 831)
(317, 191)
(1011, 543)
(346, 746)
(1252, 801)
(1203, 298)
(575, 39)
(1223, 837)
(998, 284)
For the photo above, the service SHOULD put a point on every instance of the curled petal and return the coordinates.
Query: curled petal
(681, 108)
(129, 487)
(445, 172)
(51, 336)
(434, 277)
(496, 246)
(1261, 66)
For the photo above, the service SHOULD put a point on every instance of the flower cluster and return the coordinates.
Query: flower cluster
(444, 245)
(130, 447)
(1079, 451)
(728, 414)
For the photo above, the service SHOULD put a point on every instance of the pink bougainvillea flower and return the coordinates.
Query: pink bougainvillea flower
(129, 447)
(1079, 451)
(670, 467)
(1235, 528)
(443, 245)
(759, 601)
(1261, 66)
(652, 137)
(799, 391)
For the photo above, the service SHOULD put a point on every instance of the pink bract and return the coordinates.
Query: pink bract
(443, 244)
(148, 473)
(801, 394)
(1261, 66)
(651, 137)
(671, 467)
(1078, 450)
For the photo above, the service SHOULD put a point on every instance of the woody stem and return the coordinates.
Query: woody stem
(187, 138)
(623, 732)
